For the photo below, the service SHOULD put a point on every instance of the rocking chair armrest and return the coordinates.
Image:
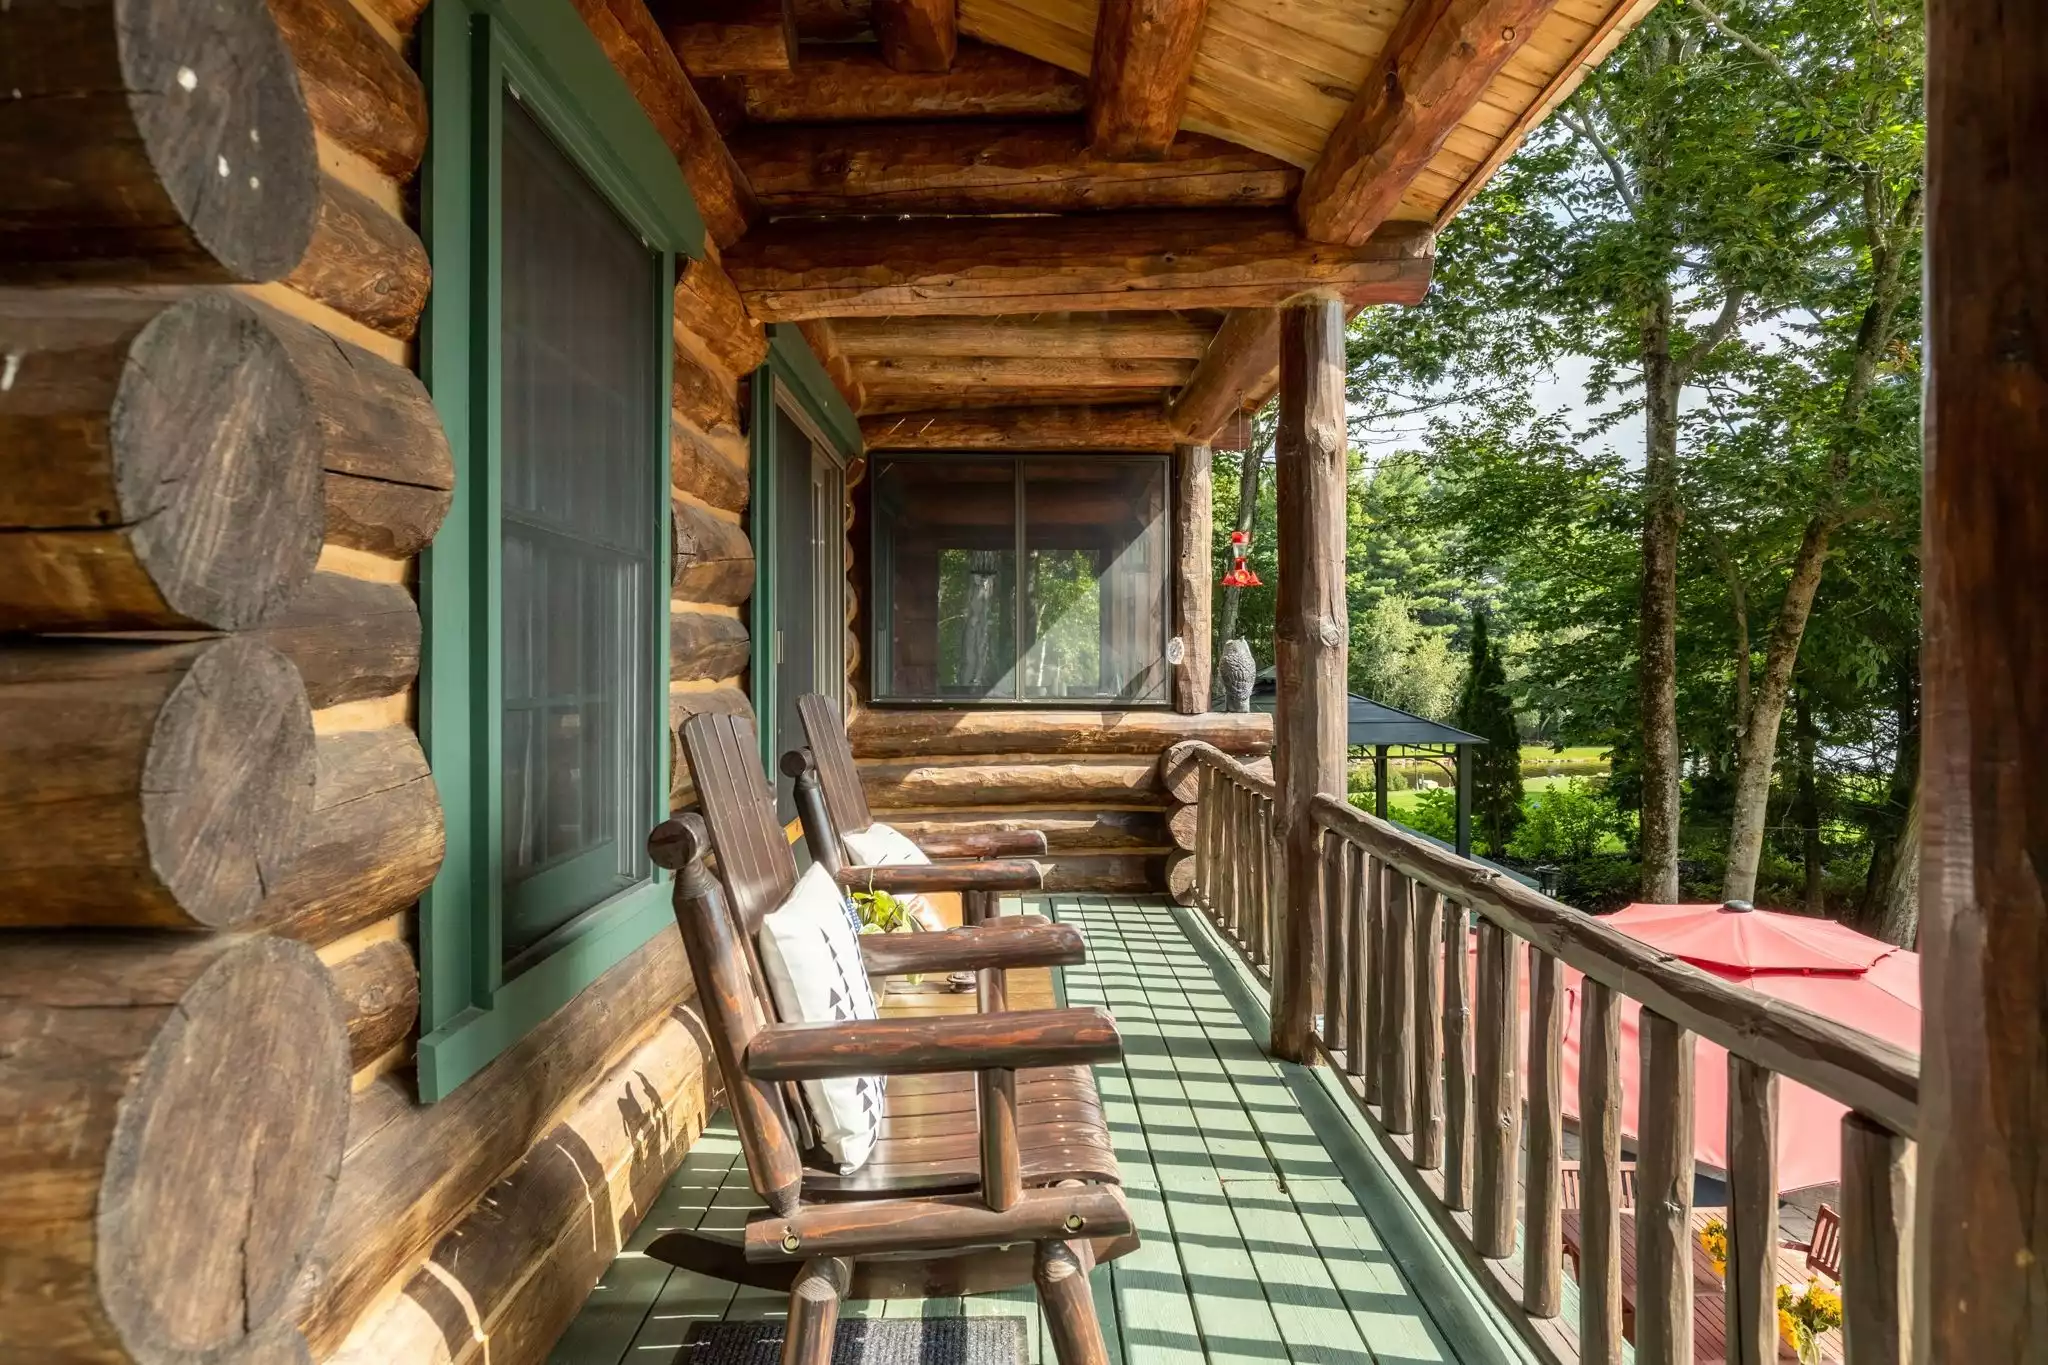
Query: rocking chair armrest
(997, 943)
(933, 1044)
(1001, 843)
(1009, 874)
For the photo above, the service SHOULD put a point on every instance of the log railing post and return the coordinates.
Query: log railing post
(1877, 1231)
(1751, 1314)
(1457, 1058)
(1429, 1038)
(1310, 636)
(1499, 1111)
(1335, 941)
(1543, 1243)
(1600, 1327)
(1358, 870)
(1664, 1174)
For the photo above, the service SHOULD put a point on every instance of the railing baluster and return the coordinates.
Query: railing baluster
(1374, 956)
(1398, 1047)
(1877, 1231)
(1664, 1195)
(1751, 1287)
(1543, 1241)
(1262, 841)
(1357, 867)
(1205, 838)
(1240, 862)
(1429, 1029)
(1499, 1111)
(1457, 1058)
(1600, 1334)
(1332, 901)
(1226, 850)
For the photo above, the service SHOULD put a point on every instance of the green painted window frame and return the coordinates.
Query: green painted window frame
(470, 1011)
(801, 375)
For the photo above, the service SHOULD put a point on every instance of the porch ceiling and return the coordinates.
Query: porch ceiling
(1101, 222)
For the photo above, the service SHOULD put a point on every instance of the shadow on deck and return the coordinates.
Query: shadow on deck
(1273, 1229)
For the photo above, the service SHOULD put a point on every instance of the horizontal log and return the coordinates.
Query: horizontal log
(633, 42)
(960, 167)
(711, 468)
(390, 475)
(706, 647)
(970, 399)
(731, 37)
(920, 374)
(823, 339)
(1238, 370)
(373, 844)
(1067, 427)
(364, 263)
(176, 1107)
(918, 784)
(1056, 336)
(149, 141)
(831, 85)
(917, 35)
(422, 1169)
(1104, 873)
(350, 639)
(710, 311)
(994, 874)
(1181, 826)
(1065, 831)
(997, 943)
(1222, 258)
(149, 785)
(1180, 764)
(163, 463)
(711, 559)
(379, 989)
(502, 1285)
(913, 1045)
(878, 733)
(705, 398)
(903, 1225)
(358, 87)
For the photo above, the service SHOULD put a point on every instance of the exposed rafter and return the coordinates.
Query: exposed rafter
(1437, 61)
(917, 35)
(1131, 427)
(829, 85)
(979, 167)
(1087, 336)
(1242, 363)
(730, 37)
(792, 270)
(1138, 85)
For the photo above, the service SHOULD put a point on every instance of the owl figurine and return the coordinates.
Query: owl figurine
(1238, 670)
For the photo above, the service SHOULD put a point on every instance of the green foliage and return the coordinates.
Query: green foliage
(1485, 709)
(882, 913)
(1433, 812)
(1566, 823)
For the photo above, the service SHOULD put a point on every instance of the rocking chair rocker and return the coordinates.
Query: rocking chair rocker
(993, 1167)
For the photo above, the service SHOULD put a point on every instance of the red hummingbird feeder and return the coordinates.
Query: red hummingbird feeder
(1240, 574)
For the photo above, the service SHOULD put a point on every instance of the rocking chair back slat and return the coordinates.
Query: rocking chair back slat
(825, 733)
(753, 856)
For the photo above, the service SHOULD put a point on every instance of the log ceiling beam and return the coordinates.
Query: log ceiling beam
(823, 339)
(1085, 336)
(983, 82)
(1228, 258)
(912, 373)
(917, 35)
(730, 37)
(1438, 60)
(960, 397)
(1128, 427)
(963, 167)
(1138, 86)
(1242, 364)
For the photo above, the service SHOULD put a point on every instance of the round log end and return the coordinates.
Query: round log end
(224, 1159)
(218, 463)
(217, 105)
(1180, 878)
(228, 783)
(1180, 772)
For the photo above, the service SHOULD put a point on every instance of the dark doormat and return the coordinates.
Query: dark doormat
(866, 1341)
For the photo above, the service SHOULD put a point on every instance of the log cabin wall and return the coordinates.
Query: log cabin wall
(216, 815)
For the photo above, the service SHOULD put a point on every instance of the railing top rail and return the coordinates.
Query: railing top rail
(1841, 1062)
(1230, 767)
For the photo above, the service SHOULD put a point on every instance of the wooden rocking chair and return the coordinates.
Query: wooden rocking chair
(831, 805)
(994, 1166)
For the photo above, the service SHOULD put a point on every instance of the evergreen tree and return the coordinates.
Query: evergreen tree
(1486, 710)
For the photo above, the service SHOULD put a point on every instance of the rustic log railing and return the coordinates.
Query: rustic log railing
(1434, 1054)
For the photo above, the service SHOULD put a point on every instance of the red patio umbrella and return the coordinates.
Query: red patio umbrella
(1824, 966)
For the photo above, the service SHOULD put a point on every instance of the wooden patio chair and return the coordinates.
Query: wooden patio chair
(839, 807)
(994, 1166)
(1824, 1252)
(1571, 1185)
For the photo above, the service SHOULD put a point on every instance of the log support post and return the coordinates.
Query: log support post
(1310, 640)
(1982, 1255)
(1191, 573)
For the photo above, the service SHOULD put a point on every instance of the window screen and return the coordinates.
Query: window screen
(579, 354)
(1085, 620)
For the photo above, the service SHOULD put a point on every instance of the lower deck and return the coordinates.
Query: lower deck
(1272, 1230)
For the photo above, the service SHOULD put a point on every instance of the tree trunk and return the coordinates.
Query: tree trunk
(1247, 521)
(977, 645)
(1657, 645)
(1809, 809)
(1890, 908)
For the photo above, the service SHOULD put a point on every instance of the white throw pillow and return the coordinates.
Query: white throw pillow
(812, 958)
(881, 845)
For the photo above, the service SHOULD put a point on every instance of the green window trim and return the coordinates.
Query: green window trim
(469, 1010)
(802, 374)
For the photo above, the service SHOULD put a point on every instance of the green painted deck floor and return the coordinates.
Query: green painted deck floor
(1270, 1233)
